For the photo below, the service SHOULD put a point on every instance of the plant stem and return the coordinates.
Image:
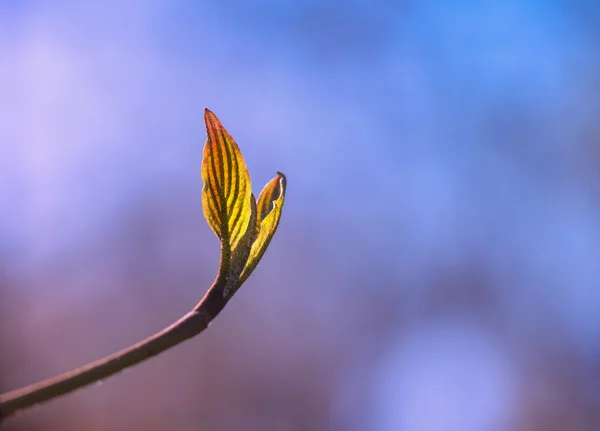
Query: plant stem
(188, 326)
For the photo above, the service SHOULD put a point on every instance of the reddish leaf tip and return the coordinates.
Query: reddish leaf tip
(282, 178)
(210, 117)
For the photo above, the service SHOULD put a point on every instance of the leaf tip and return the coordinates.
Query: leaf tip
(211, 119)
(282, 179)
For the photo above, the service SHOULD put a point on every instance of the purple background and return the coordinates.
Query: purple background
(437, 266)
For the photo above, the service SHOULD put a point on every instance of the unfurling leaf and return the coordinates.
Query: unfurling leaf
(227, 192)
(244, 226)
(269, 206)
(240, 254)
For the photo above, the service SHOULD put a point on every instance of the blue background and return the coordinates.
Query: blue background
(437, 266)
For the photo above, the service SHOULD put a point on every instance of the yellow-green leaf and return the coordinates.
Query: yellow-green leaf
(227, 191)
(269, 206)
(239, 256)
(268, 195)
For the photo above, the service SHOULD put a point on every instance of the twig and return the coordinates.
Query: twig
(188, 326)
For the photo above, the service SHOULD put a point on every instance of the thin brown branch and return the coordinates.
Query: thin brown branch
(187, 327)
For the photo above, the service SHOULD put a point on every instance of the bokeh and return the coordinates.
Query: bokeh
(437, 266)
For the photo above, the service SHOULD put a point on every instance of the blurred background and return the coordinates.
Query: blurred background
(437, 263)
